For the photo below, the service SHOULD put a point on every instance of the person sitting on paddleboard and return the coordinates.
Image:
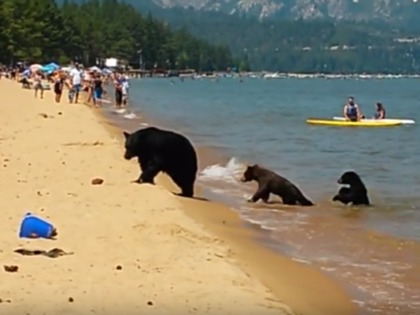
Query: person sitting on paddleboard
(380, 111)
(351, 110)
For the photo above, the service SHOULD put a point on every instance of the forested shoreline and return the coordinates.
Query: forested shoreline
(89, 31)
(41, 31)
(310, 46)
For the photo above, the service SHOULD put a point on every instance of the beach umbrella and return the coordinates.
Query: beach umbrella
(53, 65)
(96, 69)
(49, 68)
(106, 71)
(46, 69)
(35, 67)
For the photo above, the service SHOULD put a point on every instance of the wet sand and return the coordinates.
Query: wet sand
(135, 247)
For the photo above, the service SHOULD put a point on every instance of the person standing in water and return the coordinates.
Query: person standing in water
(380, 111)
(118, 90)
(351, 110)
(124, 90)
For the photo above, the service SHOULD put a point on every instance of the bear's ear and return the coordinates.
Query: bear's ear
(126, 135)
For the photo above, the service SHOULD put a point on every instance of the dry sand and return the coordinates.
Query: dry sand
(137, 248)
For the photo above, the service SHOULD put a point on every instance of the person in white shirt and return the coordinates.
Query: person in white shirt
(76, 84)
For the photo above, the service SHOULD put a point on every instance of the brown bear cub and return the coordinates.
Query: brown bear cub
(272, 183)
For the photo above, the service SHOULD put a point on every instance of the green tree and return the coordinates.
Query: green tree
(41, 31)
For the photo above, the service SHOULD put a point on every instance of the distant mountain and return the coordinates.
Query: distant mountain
(387, 10)
(334, 36)
(403, 14)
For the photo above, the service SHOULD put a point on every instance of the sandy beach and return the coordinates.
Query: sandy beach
(134, 248)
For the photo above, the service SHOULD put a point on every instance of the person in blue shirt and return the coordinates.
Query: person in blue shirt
(380, 111)
(351, 110)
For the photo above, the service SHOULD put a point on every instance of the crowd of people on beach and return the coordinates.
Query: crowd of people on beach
(73, 79)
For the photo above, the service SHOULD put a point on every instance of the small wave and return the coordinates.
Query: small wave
(360, 303)
(302, 261)
(218, 174)
(263, 224)
(230, 172)
(130, 116)
(120, 111)
(218, 190)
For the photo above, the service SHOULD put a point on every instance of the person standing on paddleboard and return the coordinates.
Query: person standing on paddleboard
(351, 110)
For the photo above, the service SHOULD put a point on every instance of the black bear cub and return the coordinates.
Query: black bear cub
(271, 183)
(356, 192)
(165, 151)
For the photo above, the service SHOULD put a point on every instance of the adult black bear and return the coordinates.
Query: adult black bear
(160, 150)
(356, 193)
(271, 183)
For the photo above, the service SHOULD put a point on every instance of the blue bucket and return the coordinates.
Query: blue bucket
(33, 227)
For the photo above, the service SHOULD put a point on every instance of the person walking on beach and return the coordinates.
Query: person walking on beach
(76, 84)
(38, 84)
(97, 90)
(88, 84)
(59, 82)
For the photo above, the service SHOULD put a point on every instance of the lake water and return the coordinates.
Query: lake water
(374, 251)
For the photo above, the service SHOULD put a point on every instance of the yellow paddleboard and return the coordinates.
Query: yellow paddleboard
(326, 122)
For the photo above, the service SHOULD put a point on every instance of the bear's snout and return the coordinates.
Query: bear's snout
(128, 155)
(243, 179)
(340, 181)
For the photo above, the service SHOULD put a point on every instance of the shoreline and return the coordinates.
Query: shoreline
(351, 248)
(279, 75)
(70, 146)
(258, 260)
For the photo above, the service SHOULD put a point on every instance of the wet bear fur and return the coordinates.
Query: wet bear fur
(165, 151)
(356, 192)
(272, 183)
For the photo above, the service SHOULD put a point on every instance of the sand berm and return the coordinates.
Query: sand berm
(136, 249)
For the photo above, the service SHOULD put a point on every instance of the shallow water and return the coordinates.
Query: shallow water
(375, 251)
